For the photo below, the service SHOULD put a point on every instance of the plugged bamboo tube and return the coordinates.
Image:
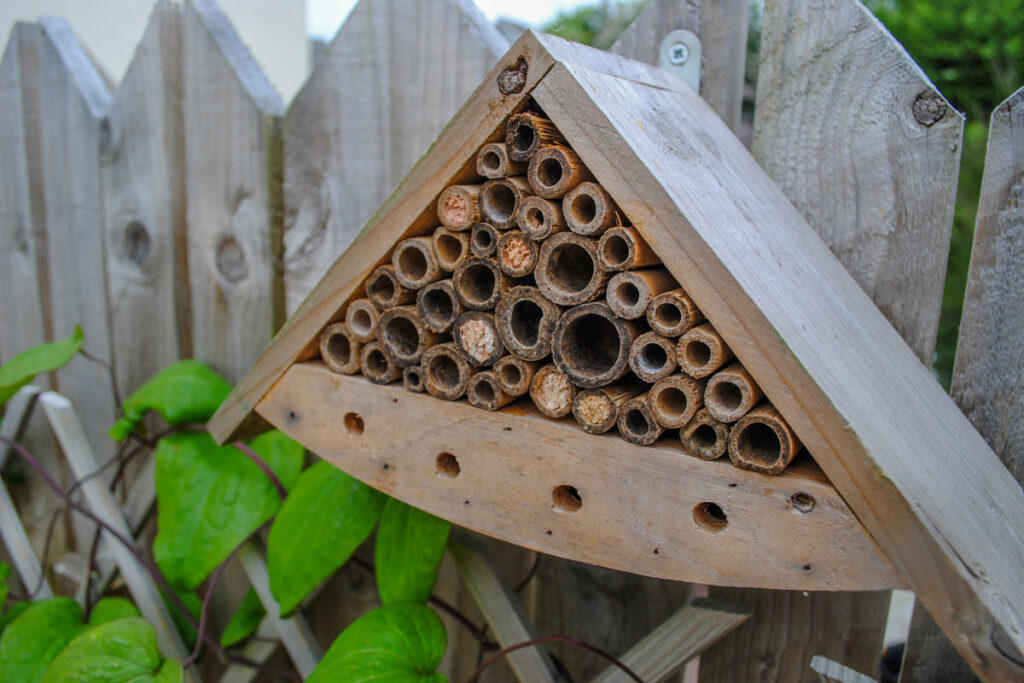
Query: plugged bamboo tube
(705, 437)
(731, 393)
(623, 248)
(414, 262)
(361, 320)
(458, 208)
(762, 441)
(552, 392)
(438, 306)
(484, 392)
(526, 322)
(492, 162)
(500, 200)
(676, 399)
(476, 336)
(567, 271)
(591, 345)
(652, 357)
(450, 248)
(630, 292)
(484, 240)
(403, 337)
(588, 209)
(384, 289)
(540, 218)
(377, 367)
(701, 351)
(528, 132)
(515, 374)
(636, 422)
(517, 253)
(339, 350)
(445, 372)
(412, 379)
(673, 313)
(479, 283)
(554, 170)
(597, 410)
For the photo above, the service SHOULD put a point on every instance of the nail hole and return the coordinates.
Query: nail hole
(353, 423)
(566, 499)
(710, 517)
(804, 502)
(448, 466)
(807, 567)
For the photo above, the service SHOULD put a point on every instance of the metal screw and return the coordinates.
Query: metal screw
(678, 53)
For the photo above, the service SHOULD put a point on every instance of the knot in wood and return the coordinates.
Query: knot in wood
(929, 108)
(136, 242)
(512, 79)
(231, 260)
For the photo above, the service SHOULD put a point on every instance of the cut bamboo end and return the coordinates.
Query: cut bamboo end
(652, 357)
(673, 313)
(485, 392)
(540, 218)
(623, 248)
(731, 393)
(377, 367)
(588, 209)
(445, 372)
(552, 392)
(527, 132)
(484, 240)
(458, 208)
(517, 254)
(384, 289)
(597, 410)
(500, 200)
(591, 345)
(412, 379)
(476, 336)
(515, 374)
(339, 350)
(526, 322)
(403, 337)
(414, 262)
(763, 441)
(479, 283)
(701, 351)
(705, 437)
(636, 422)
(567, 271)
(675, 400)
(361, 320)
(450, 248)
(554, 170)
(438, 306)
(630, 292)
(492, 162)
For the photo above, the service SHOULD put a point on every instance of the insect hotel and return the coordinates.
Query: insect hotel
(588, 323)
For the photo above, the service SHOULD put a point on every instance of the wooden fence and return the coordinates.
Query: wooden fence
(187, 210)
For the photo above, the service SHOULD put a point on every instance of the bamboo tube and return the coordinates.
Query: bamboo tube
(500, 200)
(631, 291)
(484, 240)
(554, 170)
(636, 422)
(673, 313)
(623, 248)
(705, 437)
(458, 208)
(377, 366)
(361, 320)
(540, 218)
(438, 306)
(412, 379)
(701, 351)
(528, 132)
(414, 262)
(492, 162)
(403, 337)
(384, 289)
(476, 336)
(591, 345)
(652, 357)
(567, 271)
(445, 372)
(589, 210)
(515, 374)
(762, 441)
(597, 410)
(339, 350)
(479, 283)
(552, 392)
(676, 399)
(517, 254)
(731, 393)
(526, 322)
(450, 248)
(484, 392)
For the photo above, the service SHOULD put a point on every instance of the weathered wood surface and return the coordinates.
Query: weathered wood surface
(831, 671)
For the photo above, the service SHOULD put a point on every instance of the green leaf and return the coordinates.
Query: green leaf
(115, 652)
(23, 368)
(283, 455)
(397, 643)
(112, 609)
(184, 392)
(13, 613)
(35, 638)
(410, 545)
(5, 573)
(244, 621)
(322, 522)
(209, 499)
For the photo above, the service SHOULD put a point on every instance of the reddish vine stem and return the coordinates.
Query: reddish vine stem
(547, 639)
(530, 574)
(262, 464)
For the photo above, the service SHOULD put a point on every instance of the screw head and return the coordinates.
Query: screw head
(678, 53)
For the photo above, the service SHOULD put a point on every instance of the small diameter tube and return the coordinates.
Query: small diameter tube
(567, 271)
(414, 262)
(527, 132)
(731, 393)
(492, 162)
(500, 200)
(412, 379)
(526, 322)
(476, 336)
(445, 372)
(589, 210)
(361, 320)
(515, 374)
(479, 283)
(701, 351)
(705, 437)
(591, 345)
(339, 350)
(552, 392)
(636, 422)
(540, 218)
(450, 248)
(483, 241)
(385, 291)
(673, 313)
(438, 306)
(457, 207)
(517, 254)
(630, 292)
(597, 410)
(763, 441)
(403, 337)
(485, 392)
(377, 367)
(555, 170)
(676, 399)
(652, 357)
(623, 248)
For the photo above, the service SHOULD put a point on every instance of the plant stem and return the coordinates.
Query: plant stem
(547, 639)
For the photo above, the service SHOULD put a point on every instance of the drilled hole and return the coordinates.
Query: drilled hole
(447, 466)
(566, 498)
(804, 502)
(584, 209)
(727, 395)
(570, 268)
(353, 423)
(671, 402)
(339, 348)
(698, 354)
(710, 517)
(615, 250)
(549, 172)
